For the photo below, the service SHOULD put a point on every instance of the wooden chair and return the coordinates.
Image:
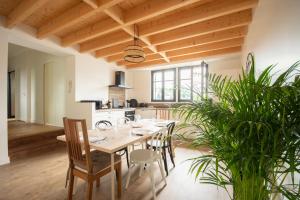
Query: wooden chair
(83, 163)
(108, 123)
(167, 144)
(163, 113)
(147, 157)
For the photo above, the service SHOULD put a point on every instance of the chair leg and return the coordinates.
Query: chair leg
(89, 193)
(152, 181)
(128, 177)
(98, 182)
(171, 155)
(75, 185)
(162, 171)
(67, 177)
(119, 180)
(127, 157)
(71, 184)
(165, 161)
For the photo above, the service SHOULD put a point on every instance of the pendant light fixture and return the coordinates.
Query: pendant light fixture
(134, 53)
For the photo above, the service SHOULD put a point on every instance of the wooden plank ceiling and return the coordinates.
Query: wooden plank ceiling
(169, 30)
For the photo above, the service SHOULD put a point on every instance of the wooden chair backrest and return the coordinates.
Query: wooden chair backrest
(74, 144)
(163, 113)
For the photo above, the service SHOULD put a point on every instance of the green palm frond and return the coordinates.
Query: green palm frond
(252, 126)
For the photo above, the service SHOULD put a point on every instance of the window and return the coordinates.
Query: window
(163, 85)
(192, 83)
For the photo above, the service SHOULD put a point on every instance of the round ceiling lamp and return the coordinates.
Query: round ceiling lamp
(134, 53)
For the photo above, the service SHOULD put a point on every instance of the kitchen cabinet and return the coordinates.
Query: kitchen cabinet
(146, 113)
(111, 116)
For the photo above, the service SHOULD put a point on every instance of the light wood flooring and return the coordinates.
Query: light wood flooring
(19, 129)
(43, 177)
(25, 139)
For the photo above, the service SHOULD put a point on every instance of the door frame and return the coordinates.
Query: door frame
(9, 94)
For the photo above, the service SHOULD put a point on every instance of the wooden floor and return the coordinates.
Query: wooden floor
(25, 139)
(19, 129)
(43, 177)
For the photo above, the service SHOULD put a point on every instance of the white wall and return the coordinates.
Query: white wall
(141, 79)
(29, 69)
(3, 99)
(55, 93)
(74, 109)
(141, 83)
(93, 77)
(230, 66)
(75, 64)
(274, 33)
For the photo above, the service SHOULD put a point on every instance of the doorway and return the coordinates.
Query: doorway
(11, 95)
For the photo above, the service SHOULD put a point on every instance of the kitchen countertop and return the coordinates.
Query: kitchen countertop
(114, 109)
(126, 109)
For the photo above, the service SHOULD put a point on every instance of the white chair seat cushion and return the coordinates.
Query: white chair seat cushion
(143, 156)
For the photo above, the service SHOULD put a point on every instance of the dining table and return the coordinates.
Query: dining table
(115, 138)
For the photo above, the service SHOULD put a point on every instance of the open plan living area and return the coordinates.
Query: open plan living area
(150, 99)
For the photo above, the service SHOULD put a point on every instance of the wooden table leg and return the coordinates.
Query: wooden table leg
(112, 157)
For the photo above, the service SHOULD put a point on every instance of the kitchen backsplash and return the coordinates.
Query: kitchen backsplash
(117, 93)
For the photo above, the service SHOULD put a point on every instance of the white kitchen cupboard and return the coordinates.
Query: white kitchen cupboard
(111, 116)
(146, 113)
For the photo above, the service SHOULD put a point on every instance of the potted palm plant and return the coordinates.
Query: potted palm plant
(252, 128)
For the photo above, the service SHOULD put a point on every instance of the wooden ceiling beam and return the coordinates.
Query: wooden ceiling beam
(108, 40)
(146, 64)
(184, 58)
(116, 14)
(151, 8)
(116, 49)
(206, 47)
(148, 58)
(93, 3)
(237, 42)
(120, 56)
(72, 16)
(130, 30)
(154, 8)
(207, 54)
(217, 24)
(85, 34)
(23, 10)
(193, 41)
(221, 23)
(205, 39)
(197, 14)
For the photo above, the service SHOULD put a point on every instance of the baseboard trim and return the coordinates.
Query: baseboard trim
(4, 161)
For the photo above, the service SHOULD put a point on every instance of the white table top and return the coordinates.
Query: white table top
(119, 137)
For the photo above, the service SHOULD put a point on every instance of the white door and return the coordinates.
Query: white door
(54, 93)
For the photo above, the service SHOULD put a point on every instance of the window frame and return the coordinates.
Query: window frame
(163, 85)
(202, 66)
(179, 84)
